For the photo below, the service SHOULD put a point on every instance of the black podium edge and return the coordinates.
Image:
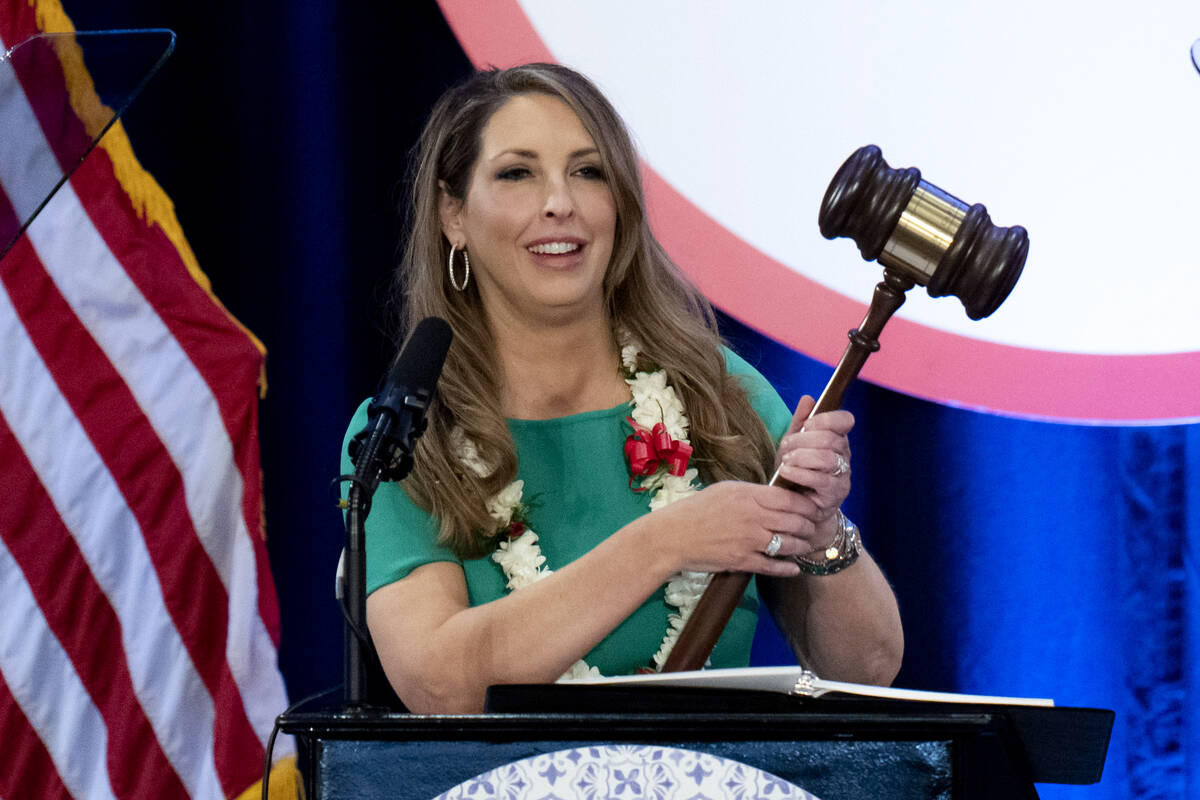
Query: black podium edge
(1060, 744)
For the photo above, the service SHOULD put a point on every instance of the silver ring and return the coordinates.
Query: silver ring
(773, 546)
(843, 466)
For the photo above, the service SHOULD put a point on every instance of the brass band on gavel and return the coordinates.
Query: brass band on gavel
(923, 233)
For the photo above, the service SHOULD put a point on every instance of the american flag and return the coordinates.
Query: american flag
(138, 622)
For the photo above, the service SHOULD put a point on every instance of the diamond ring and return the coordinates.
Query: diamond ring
(773, 546)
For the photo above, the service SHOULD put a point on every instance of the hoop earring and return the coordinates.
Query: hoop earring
(466, 265)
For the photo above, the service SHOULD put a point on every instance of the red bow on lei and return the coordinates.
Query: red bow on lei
(649, 449)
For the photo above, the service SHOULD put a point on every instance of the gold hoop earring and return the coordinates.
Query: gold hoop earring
(466, 272)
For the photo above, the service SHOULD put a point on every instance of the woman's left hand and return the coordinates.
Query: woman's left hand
(815, 454)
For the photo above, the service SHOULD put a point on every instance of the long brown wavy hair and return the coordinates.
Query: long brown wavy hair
(646, 295)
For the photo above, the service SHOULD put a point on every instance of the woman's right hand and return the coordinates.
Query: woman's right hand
(729, 525)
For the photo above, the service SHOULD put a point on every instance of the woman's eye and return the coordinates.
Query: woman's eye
(513, 173)
(591, 171)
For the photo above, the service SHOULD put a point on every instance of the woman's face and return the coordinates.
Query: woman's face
(539, 217)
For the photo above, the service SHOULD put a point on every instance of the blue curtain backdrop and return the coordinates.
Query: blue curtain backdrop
(1030, 558)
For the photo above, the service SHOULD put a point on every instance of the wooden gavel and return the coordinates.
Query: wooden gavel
(921, 235)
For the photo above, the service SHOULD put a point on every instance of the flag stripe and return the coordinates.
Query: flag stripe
(28, 769)
(70, 727)
(156, 368)
(111, 540)
(79, 615)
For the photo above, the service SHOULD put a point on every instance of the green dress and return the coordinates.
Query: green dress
(577, 483)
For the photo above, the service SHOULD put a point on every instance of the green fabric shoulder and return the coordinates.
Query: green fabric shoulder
(766, 401)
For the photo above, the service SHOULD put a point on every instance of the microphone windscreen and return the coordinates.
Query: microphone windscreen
(395, 416)
(420, 362)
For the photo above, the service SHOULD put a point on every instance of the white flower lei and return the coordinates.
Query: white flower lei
(654, 402)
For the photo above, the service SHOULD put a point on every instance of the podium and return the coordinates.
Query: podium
(837, 748)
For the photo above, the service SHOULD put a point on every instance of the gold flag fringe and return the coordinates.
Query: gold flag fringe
(285, 782)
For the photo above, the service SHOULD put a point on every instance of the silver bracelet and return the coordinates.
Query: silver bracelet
(841, 552)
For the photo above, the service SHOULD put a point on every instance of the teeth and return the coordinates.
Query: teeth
(554, 248)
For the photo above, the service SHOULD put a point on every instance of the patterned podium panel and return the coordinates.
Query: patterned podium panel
(546, 769)
(626, 771)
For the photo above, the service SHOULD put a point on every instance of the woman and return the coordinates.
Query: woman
(522, 543)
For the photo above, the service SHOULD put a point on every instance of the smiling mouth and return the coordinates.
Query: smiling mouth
(554, 248)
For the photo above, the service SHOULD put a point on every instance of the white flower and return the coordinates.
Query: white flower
(467, 454)
(522, 560)
(674, 627)
(673, 488)
(674, 419)
(629, 354)
(684, 590)
(505, 502)
(654, 402)
(579, 671)
(647, 389)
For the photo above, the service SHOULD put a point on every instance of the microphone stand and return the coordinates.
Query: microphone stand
(373, 462)
(354, 601)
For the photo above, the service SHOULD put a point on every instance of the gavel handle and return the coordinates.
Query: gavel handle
(715, 607)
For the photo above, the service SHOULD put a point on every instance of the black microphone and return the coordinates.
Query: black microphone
(396, 416)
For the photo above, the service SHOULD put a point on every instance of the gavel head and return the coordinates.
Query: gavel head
(923, 233)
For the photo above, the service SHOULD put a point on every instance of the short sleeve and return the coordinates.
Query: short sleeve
(763, 398)
(400, 536)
